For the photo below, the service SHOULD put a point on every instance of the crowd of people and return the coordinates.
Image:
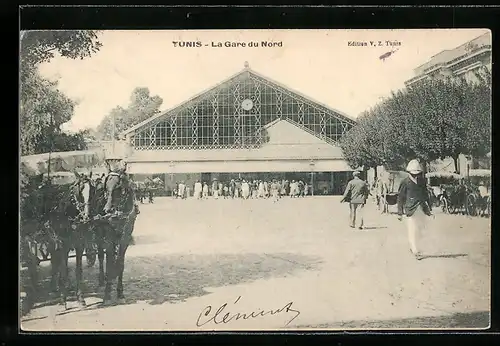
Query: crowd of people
(245, 189)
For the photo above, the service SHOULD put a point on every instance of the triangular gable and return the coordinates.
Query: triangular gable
(246, 73)
(282, 132)
(288, 140)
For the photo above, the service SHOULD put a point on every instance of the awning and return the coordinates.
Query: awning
(443, 174)
(61, 161)
(479, 173)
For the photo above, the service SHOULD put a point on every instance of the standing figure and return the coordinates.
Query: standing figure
(215, 189)
(245, 189)
(220, 188)
(205, 190)
(292, 189)
(198, 189)
(306, 189)
(356, 193)
(414, 200)
(255, 187)
(237, 190)
(262, 191)
(301, 188)
(232, 188)
(226, 191)
(287, 187)
(175, 191)
(275, 187)
(182, 190)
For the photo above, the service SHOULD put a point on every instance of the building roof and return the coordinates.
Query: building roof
(248, 71)
(449, 55)
(287, 142)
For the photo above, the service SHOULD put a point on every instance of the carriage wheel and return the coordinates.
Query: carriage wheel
(470, 205)
(450, 207)
(443, 202)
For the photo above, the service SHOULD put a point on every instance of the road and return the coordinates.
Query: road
(296, 257)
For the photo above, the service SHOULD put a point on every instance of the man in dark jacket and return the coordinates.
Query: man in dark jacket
(413, 199)
(356, 193)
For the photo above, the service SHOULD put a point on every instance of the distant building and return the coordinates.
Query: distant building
(462, 61)
(246, 127)
(466, 61)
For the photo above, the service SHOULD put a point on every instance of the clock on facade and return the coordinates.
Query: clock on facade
(247, 104)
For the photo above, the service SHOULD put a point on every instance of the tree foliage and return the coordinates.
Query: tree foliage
(141, 107)
(41, 46)
(433, 120)
(44, 108)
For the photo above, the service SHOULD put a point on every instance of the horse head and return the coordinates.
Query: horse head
(117, 188)
(82, 191)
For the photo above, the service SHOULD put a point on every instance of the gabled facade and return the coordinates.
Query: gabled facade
(245, 125)
(232, 115)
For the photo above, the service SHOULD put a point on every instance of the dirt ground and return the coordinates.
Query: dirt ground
(296, 260)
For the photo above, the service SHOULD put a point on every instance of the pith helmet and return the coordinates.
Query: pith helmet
(356, 173)
(414, 167)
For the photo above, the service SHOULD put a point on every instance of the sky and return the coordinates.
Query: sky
(318, 63)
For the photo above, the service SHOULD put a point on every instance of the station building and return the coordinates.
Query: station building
(249, 127)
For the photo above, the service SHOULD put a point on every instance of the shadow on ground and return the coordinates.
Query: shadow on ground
(457, 321)
(450, 255)
(175, 278)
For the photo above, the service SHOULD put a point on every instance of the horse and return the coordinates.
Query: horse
(381, 190)
(59, 214)
(113, 231)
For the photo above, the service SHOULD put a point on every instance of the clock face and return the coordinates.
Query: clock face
(247, 104)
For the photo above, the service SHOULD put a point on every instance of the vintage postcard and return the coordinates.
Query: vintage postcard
(222, 180)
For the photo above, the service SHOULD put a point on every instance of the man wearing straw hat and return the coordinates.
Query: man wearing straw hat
(414, 200)
(356, 193)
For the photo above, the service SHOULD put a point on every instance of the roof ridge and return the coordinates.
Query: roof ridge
(246, 69)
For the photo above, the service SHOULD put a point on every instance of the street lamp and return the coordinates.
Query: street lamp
(172, 165)
(311, 165)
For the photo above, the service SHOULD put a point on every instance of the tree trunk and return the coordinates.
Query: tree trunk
(424, 167)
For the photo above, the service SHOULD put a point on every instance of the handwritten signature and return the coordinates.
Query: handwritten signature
(221, 316)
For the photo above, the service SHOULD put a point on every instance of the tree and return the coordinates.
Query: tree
(43, 108)
(141, 107)
(41, 46)
(477, 108)
(429, 121)
(105, 129)
(360, 145)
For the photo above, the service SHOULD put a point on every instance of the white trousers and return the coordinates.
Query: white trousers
(416, 224)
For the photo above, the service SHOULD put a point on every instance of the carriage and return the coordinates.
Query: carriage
(387, 195)
(479, 198)
(83, 217)
(35, 170)
(441, 185)
(147, 189)
(456, 194)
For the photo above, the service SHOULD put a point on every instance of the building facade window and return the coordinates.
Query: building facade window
(233, 116)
